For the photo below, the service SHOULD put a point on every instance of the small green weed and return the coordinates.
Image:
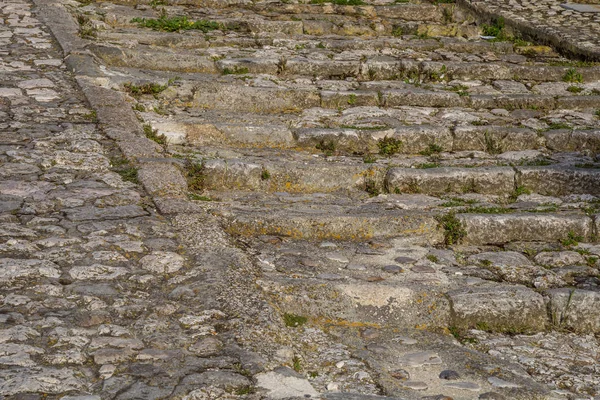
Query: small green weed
(197, 197)
(369, 158)
(487, 210)
(558, 125)
(244, 390)
(195, 175)
(491, 146)
(427, 165)
(91, 116)
(146, 88)
(389, 146)
(293, 320)
(237, 70)
(296, 364)
(572, 239)
(326, 146)
(123, 167)
(432, 149)
(86, 30)
(454, 232)
(537, 162)
(153, 134)
(519, 190)
(572, 76)
(496, 29)
(432, 258)
(575, 89)
(139, 107)
(482, 326)
(175, 24)
(265, 174)
(459, 334)
(371, 187)
(397, 31)
(587, 165)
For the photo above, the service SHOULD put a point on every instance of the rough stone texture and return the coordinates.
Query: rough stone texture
(574, 309)
(499, 307)
(510, 227)
(291, 248)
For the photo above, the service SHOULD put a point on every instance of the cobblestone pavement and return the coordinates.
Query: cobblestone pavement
(94, 281)
(294, 200)
(545, 20)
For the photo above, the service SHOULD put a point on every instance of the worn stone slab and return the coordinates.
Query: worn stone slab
(583, 8)
(575, 309)
(94, 213)
(502, 308)
(506, 228)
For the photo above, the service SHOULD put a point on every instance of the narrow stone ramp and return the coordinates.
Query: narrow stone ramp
(277, 199)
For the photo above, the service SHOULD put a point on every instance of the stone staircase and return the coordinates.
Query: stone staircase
(396, 178)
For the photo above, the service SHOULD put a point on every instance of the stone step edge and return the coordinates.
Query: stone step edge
(434, 228)
(136, 57)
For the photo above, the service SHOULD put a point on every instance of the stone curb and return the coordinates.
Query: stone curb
(115, 116)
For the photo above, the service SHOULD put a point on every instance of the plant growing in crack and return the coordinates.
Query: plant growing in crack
(195, 175)
(454, 231)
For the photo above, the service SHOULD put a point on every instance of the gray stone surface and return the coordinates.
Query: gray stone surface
(502, 308)
(292, 265)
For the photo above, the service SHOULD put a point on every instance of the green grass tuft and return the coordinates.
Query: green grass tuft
(175, 24)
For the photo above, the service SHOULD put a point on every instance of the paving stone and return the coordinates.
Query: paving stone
(449, 375)
(415, 385)
(420, 359)
(471, 386)
(94, 213)
(501, 307)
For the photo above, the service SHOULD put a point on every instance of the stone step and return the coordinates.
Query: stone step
(287, 64)
(360, 129)
(545, 180)
(311, 220)
(521, 292)
(334, 217)
(293, 177)
(527, 227)
(302, 44)
(271, 170)
(270, 94)
(310, 19)
(407, 11)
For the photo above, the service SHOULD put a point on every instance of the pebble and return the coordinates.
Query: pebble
(405, 260)
(419, 359)
(501, 383)
(400, 374)
(392, 269)
(423, 269)
(414, 385)
(338, 257)
(449, 374)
